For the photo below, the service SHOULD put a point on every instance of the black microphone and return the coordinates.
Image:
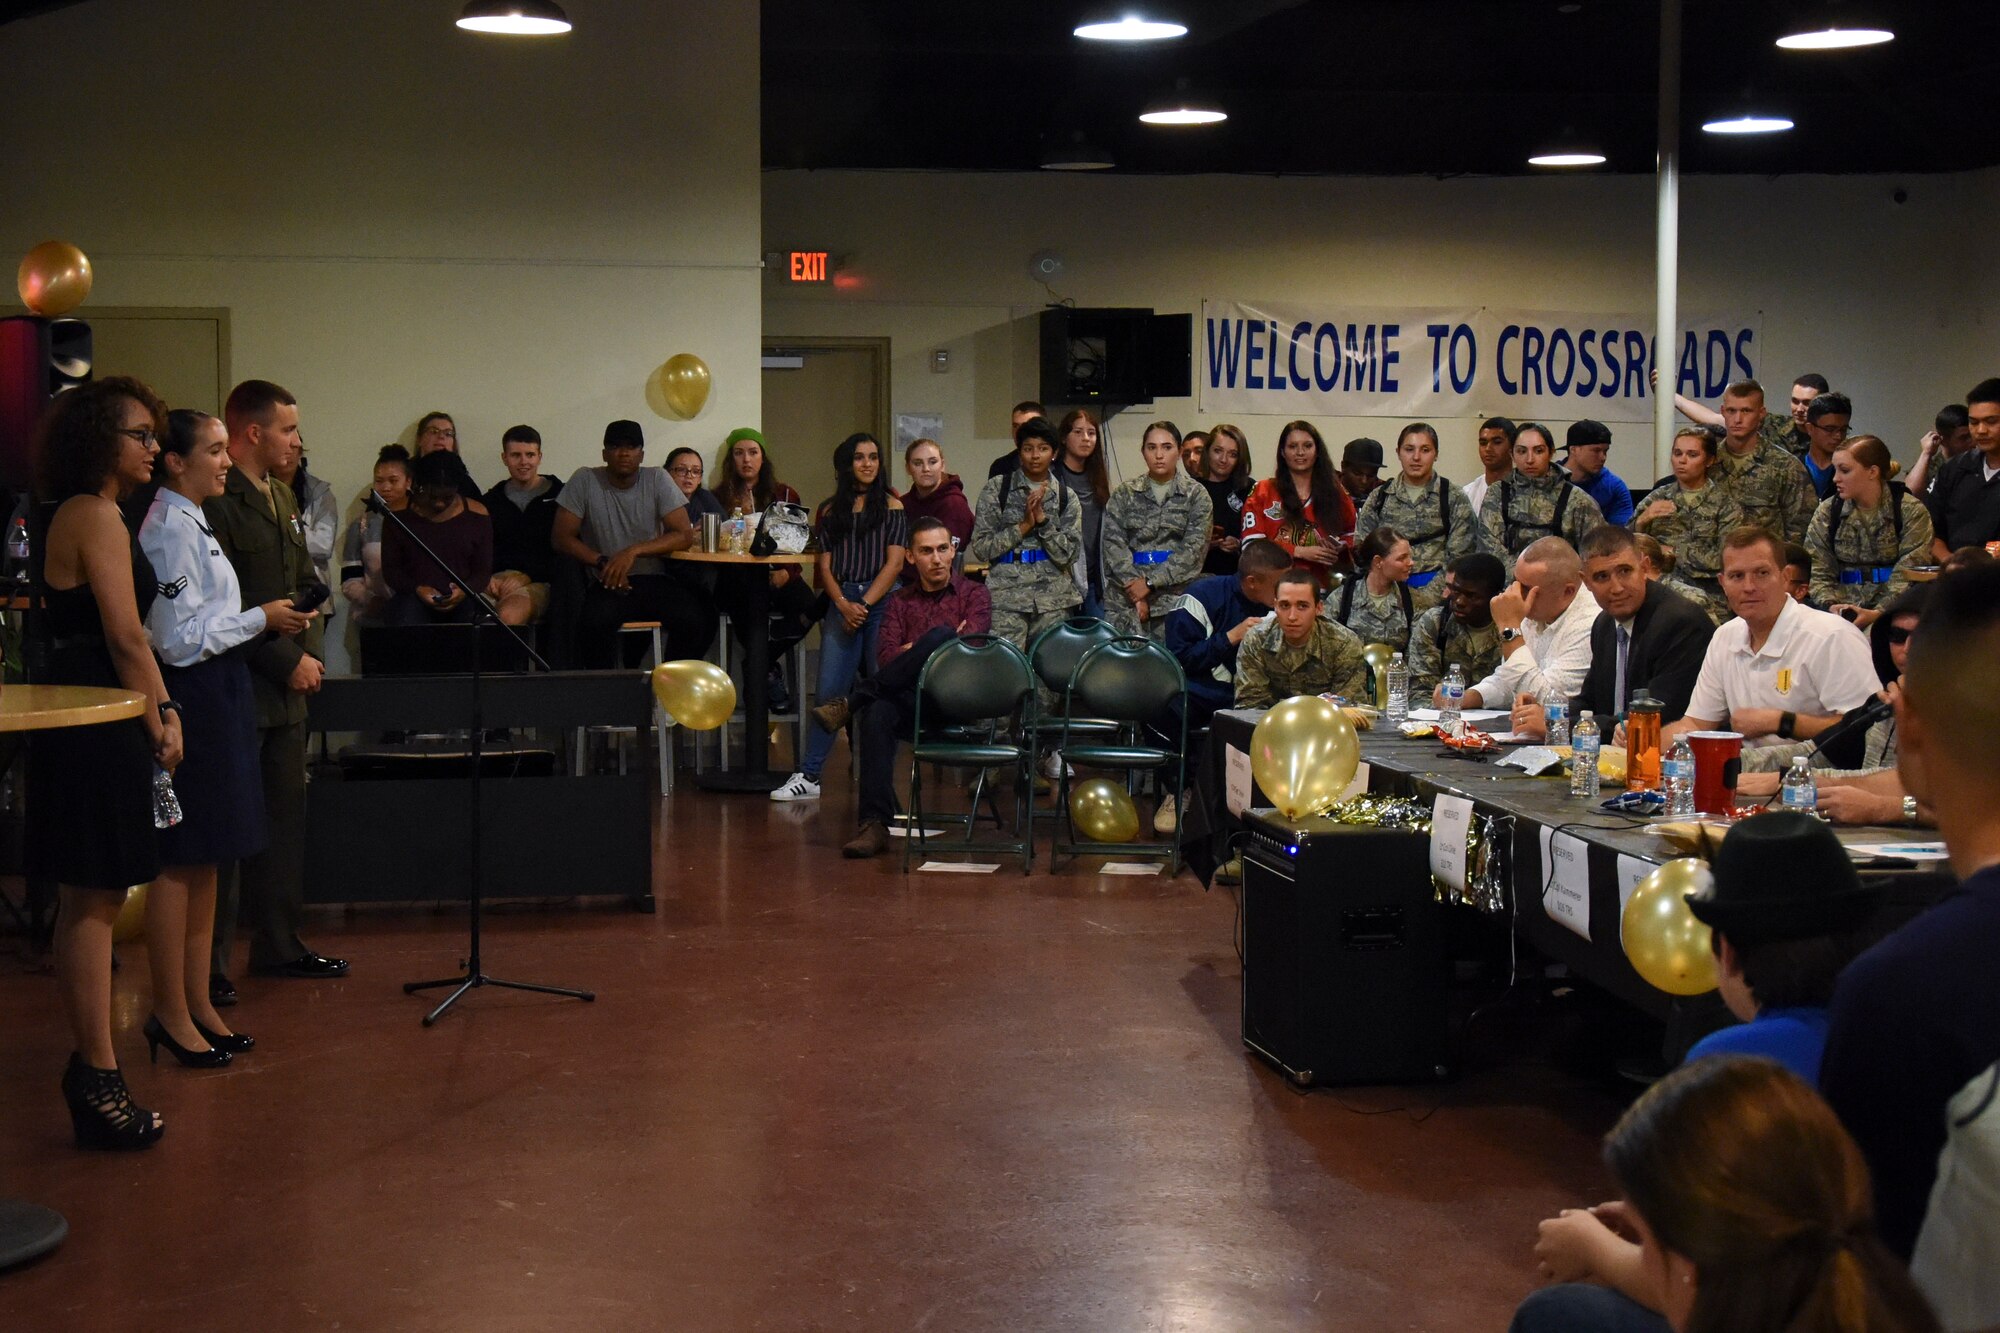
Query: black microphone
(1851, 725)
(314, 594)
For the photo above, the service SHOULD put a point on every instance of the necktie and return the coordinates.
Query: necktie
(1618, 689)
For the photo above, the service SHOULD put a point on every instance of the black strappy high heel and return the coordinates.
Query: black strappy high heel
(102, 1112)
(233, 1042)
(158, 1036)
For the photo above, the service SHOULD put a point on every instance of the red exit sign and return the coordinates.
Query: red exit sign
(807, 266)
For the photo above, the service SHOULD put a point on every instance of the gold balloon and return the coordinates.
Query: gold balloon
(131, 922)
(679, 388)
(1103, 810)
(1303, 753)
(1667, 945)
(54, 278)
(698, 695)
(1377, 656)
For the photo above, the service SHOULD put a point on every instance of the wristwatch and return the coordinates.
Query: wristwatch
(1509, 635)
(174, 706)
(1787, 723)
(1909, 809)
(602, 561)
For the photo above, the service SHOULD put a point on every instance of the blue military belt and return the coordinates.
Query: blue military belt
(1151, 557)
(1024, 557)
(1422, 580)
(1873, 574)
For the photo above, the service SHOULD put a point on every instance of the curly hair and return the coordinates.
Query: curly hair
(76, 443)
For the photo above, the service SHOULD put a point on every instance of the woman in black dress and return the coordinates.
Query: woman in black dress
(90, 788)
(195, 626)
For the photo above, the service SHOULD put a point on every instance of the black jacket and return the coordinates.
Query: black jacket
(522, 538)
(1670, 637)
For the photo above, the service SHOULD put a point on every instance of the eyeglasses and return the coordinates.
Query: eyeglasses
(693, 470)
(1838, 432)
(445, 431)
(142, 434)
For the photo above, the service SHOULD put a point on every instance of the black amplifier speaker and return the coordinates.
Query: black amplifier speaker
(1344, 967)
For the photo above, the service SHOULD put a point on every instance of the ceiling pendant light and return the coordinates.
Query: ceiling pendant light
(1567, 150)
(1183, 107)
(515, 18)
(1844, 27)
(1130, 28)
(1747, 123)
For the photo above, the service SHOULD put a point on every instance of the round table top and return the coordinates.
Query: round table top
(730, 558)
(1920, 575)
(46, 707)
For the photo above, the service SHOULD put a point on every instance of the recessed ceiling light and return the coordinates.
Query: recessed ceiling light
(1131, 28)
(1836, 39)
(1747, 124)
(1566, 160)
(515, 18)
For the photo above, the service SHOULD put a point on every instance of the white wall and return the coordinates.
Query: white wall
(401, 216)
(1871, 293)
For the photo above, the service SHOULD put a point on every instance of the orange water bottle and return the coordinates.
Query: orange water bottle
(1642, 743)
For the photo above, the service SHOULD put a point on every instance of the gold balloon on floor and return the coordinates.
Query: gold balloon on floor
(1667, 945)
(698, 695)
(1103, 810)
(679, 388)
(54, 278)
(1303, 753)
(1377, 656)
(131, 922)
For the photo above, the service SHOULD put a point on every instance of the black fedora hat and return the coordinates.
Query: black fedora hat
(1783, 876)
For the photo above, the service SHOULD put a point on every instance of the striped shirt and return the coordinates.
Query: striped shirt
(859, 556)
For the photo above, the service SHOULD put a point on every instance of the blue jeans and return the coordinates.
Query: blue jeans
(842, 653)
(1579, 1307)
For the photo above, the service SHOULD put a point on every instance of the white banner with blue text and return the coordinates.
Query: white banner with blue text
(1297, 359)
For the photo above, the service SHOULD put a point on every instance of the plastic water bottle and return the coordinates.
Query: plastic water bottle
(1399, 691)
(1583, 756)
(17, 547)
(1677, 779)
(166, 802)
(1801, 793)
(739, 533)
(1555, 708)
(1451, 717)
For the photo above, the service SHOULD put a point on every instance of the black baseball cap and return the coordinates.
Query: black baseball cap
(624, 432)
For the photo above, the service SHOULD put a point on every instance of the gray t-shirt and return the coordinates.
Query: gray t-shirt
(613, 519)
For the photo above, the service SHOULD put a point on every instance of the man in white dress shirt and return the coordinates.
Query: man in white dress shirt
(1544, 621)
(1780, 671)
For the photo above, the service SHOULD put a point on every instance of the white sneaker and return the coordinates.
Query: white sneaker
(798, 788)
(1167, 817)
(1054, 769)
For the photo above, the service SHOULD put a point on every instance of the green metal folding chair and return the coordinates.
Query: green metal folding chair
(1054, 654)
(1134, 683)
(974, 693)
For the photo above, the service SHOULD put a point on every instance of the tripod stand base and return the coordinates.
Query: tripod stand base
(471, 980)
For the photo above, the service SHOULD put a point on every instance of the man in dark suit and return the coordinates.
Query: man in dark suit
(256, 522)
(1646, 638)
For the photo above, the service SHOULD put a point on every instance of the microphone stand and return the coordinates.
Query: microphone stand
(474, 974)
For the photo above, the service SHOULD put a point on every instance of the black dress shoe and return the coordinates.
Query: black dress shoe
(221, 990)
(311, 966)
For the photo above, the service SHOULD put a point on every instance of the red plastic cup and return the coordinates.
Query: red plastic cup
(1718, 758)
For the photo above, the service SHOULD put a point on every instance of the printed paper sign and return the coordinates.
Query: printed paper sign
(1358, 787)
(1566, 880)
(1630, 871)
(1451, 824)
(1236, 781)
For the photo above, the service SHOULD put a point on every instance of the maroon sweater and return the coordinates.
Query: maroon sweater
(465, 542)
(913, 612)
(945, 504)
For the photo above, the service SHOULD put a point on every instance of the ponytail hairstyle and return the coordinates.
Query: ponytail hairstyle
(1739, 1167)
(1868, 451)
(177, 439)
(1375, 546)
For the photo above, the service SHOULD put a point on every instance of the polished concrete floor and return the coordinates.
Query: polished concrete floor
(812, 1094)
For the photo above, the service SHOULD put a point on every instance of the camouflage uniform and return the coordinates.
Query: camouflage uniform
(1773, 488)
(1477, 652)
(1135, 524)
(1384, 619)
(1436, 537)
(1693, 533)
(1027, 597)
(1779, 429)
(1867, 540)
(1269, 670)
(1519, 511)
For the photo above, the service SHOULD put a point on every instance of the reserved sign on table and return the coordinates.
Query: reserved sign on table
(1566, 880)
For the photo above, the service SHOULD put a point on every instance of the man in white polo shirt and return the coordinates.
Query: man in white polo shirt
(1781, 670)
(1544, 621)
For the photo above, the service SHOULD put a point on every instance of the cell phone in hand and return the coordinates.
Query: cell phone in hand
(440, 598)
(312, 596)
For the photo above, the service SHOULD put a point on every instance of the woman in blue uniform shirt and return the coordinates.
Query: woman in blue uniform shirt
(194, 623)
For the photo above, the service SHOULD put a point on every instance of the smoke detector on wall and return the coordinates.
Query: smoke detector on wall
(1045, 266)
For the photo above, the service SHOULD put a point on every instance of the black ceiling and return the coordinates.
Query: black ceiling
(1369, 87)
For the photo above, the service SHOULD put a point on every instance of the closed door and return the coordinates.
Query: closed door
(817, 392)
(182, 354)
